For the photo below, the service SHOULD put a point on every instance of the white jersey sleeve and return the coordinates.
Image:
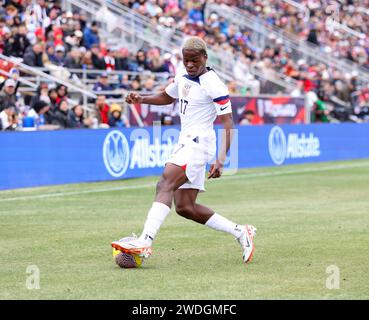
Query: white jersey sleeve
(172, 88)
(219, 93)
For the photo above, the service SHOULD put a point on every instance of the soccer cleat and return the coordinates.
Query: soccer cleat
(132, 245)
(246, 240)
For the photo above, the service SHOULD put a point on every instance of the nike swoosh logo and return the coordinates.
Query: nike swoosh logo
(222, 109)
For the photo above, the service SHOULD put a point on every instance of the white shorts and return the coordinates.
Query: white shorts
(192, 153)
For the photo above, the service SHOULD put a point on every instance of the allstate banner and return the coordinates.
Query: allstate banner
(267, 110)
(70, 156)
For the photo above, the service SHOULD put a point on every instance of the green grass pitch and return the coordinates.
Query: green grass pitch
(309, 217)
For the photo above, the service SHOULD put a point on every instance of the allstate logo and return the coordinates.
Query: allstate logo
(277, 145)
(116, 153)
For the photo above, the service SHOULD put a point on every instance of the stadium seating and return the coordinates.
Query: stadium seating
(69, 43)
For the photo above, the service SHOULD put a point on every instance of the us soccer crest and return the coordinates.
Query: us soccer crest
(186, 89)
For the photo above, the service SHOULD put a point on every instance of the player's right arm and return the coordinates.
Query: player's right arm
(161, 98)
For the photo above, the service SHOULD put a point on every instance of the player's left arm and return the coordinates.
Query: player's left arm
(216, 169)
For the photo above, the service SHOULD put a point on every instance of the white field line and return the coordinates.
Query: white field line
(297, 171)
(72, 193)
(151, 185)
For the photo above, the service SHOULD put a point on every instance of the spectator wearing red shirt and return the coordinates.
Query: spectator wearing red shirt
(109, 60)
(40, 35)
(102, 109)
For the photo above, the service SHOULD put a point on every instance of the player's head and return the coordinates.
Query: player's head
(194, 56)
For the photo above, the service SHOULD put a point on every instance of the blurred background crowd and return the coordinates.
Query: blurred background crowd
(41, 34)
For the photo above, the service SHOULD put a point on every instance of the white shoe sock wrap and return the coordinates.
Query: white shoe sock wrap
(217, 222)
(156, 216)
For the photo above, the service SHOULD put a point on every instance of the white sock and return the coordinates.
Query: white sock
(156, 216)
(217, 222)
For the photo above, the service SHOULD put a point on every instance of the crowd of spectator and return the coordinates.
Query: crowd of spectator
(310, 24)
(51, 109)
(313, 21)
(44, 35)
(342, 96)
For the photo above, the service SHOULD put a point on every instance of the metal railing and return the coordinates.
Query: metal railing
(85, 78)
(42, 76)
(22, 80)
(304, 9)
(332, 24)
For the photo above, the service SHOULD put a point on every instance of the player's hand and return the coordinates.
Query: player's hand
(216, 170)
(133, 98)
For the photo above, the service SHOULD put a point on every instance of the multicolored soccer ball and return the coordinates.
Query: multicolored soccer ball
(127, 260)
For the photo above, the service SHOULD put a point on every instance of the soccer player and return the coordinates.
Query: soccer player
(202, 97)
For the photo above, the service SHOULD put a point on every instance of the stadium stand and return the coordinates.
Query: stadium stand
(104, 48)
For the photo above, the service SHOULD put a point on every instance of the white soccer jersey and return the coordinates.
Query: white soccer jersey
(201, 99)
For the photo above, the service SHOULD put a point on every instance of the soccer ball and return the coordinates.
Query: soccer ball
(127, 260)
